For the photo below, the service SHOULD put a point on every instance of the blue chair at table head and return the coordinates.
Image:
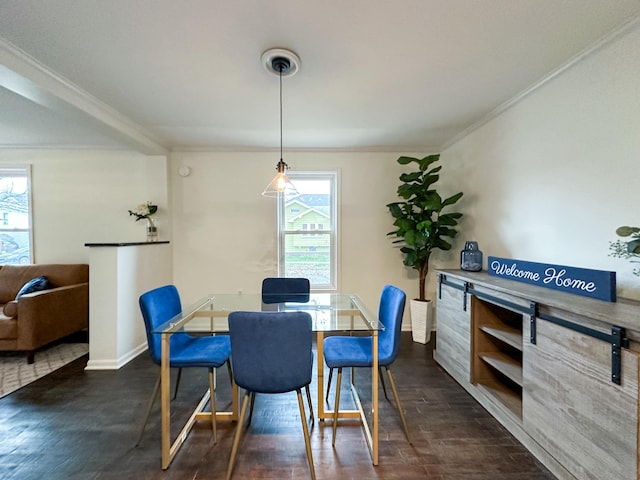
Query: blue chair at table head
(161, 305)
(281, 289)
(341, 351)
(272, 353)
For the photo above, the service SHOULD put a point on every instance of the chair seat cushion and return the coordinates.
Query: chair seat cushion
(340, 351)
(199, 351)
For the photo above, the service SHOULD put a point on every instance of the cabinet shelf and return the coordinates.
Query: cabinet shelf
(509, 335)
(506, 365)
(497, 353)
(508, 398)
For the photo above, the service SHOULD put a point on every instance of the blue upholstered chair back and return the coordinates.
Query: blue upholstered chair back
(158, 306)
(279, 289)
(390, 312)
(271, 351)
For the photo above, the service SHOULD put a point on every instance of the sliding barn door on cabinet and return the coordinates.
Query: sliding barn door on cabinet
(572, 408)
(453, 339)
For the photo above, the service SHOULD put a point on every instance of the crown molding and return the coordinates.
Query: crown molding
(607, 39)
(34, 81)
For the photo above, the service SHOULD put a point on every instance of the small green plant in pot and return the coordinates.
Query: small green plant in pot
(422, 225)
(629, 249)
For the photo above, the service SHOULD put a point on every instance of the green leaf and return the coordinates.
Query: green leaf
(447, 219)
(432, 201)
(410, 238)
(430, 180)
(452, 199)
(626, 231)
(428, 160)
(407, 160)
(434, 170)
(395, 210)
(447, 232)
(424, 225)
(633, 246)
(410, 177)
(405, 190)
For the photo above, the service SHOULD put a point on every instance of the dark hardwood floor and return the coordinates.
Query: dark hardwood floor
(76, 424)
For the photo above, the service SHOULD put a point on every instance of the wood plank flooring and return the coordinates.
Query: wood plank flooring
(76, 424)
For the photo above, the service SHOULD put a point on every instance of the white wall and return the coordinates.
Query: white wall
(551, 178)
(83, 196)
(225, 231)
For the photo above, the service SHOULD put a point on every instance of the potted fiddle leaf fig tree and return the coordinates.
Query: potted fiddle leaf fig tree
(422, 226)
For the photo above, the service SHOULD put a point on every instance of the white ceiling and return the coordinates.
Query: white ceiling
(161, 75)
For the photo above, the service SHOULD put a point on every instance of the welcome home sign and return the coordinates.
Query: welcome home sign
(598, 284)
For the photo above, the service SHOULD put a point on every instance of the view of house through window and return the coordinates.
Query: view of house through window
(307, 230)
(15, 214)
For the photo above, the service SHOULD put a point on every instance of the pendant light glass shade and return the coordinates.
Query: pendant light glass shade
(281, 185)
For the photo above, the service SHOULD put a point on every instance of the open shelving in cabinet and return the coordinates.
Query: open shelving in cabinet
(497, 353)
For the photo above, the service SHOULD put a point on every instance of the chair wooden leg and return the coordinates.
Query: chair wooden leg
(336, 406)
(236, 440)
(310, 405)
(212, 402)
(253, 401)
(152, 400)
(384, 388)
(230, 372)
(175, 393)
(329, 385)
(399, 405)
(305, 430)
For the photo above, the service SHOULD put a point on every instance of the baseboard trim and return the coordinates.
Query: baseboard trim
(115, 364)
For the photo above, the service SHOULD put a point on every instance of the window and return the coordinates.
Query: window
(15, 211)
(307, 230)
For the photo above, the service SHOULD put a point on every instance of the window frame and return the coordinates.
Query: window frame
(332, 231)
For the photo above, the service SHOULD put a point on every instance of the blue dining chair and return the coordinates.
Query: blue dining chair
(282, 289)
(160, 305)
(272, 353)
(342, 351)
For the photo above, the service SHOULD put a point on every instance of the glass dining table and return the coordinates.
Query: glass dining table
(330, 312)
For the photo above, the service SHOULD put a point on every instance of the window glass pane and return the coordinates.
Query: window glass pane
(15, 223)
(308, 256)
(307, 232)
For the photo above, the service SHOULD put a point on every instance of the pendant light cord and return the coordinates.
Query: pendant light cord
(280, 69)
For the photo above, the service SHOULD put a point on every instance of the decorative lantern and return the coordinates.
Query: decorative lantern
(471, 257)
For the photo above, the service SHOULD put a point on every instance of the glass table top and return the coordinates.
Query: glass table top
(330, 312)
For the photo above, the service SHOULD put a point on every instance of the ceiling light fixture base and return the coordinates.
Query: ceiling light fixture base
(281, 60)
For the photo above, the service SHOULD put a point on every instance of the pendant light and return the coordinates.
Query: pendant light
(283, 63)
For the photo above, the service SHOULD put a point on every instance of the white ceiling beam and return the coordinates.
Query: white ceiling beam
(27, 77)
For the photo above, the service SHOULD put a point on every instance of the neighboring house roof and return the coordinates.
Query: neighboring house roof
(307, 211)
(316, 202)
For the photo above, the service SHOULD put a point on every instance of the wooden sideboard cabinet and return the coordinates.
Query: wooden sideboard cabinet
(560, 372)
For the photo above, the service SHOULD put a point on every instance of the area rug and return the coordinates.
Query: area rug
(15, 372)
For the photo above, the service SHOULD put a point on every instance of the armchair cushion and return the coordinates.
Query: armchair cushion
(34, 285)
